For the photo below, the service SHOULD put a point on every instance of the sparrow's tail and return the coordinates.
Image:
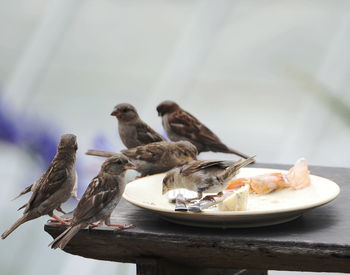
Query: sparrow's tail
(23, 206)
(100, 153)
(238, 153)
(220, 147)
(23, 219)
(231, 171)
(62, 240)
(25, 191)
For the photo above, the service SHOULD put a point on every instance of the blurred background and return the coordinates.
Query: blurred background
(271, 78)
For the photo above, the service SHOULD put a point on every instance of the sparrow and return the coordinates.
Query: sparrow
(99, 200)
(132, 130)
(32, 187)
(181, 125)
(203, 175)
(156, 157)
(161, 156)
(54, 187)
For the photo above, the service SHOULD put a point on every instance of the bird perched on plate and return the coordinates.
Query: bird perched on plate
(54, 187)
(203, 175)
(181, 125)
(161, 156)
(133, 131)
(99, 200)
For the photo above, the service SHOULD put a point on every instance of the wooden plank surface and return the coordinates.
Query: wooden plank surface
(317, 241)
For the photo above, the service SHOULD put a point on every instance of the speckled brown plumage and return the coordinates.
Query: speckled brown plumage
(100, 198)
(203, 175)
(54, 187)
(133, 131)
(181, 125)
(162, 156)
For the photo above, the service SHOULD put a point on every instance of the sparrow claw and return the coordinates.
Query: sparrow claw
(122, 226)
(212, 197)
(61, 221)
(93, 225)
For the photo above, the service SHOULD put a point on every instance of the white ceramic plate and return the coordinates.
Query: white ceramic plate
(276, 207)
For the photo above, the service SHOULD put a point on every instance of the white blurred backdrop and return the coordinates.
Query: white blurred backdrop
(270, 78)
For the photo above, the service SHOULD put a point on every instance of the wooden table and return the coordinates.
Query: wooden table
(317, 241)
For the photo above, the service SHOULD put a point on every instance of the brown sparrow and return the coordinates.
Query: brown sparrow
(132, 130)
(32, 187)
(54, 187)
(181, 125)
(161, 156)
(99, 200)
(203, 175)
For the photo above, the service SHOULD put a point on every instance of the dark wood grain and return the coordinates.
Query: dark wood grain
(318, 241)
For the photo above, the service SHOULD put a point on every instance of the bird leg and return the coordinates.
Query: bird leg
(212, 197)
(95, 224)
(199, 196)
(120, 226)
(206, 202)
(62, 221)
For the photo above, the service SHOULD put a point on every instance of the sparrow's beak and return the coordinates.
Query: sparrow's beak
(116, 113)
(130, 166)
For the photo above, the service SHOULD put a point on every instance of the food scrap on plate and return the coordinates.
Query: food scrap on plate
(297, 177)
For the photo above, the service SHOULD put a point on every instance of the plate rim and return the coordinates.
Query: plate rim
(237, 214)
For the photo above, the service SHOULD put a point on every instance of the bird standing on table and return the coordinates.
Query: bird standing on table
(99, 200)
(54, 187)
(203, 175)
(161, 156)
(181, 125)
(133, 131)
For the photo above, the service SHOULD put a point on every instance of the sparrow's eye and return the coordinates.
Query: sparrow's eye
(119, 161)
(124, 110)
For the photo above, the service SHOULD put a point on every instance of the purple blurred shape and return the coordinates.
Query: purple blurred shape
(100, 142)
(32, 134)
(8, 130)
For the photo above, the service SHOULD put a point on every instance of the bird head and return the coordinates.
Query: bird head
(168, 182)
(166, 107)
(68, 142)
(117, 164)
(124, 112)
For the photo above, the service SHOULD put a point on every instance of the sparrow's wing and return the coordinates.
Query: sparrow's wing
(52, 181)
(204, 164)
(95, 198)
(53, 165)
(150, 152)
(146, 134)
(94, 188)
(184, 124)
